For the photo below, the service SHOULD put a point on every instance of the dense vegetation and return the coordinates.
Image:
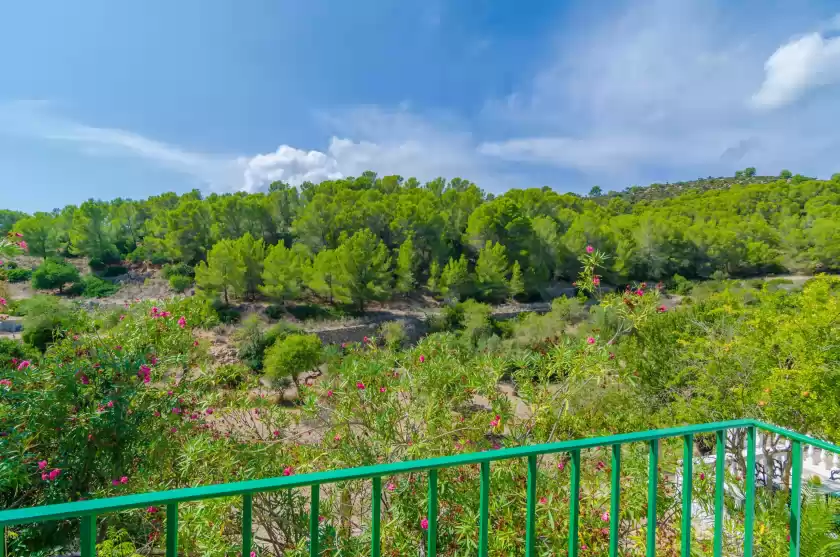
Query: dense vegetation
(369, 238)
(112, 401)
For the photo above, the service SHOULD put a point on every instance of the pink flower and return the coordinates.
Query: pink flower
(605, 516)
(24, 246)
(254, 553)
(55, 473)
(118, 347)
(337, 437)
(382, 389)
(702, 475)
(176, 410)
(662, 309)
(174, 430)
(152, 510)
(561, 465)
(155, 310)
(45, 476)
(365, 340)
(6, 383)
(209, 411)
(543, 500)
(590, 340)
(195, 343)
(288, 471)
(18, 234)
(115, 482)
(153, 360)
(2, 301)
(23, 365)
(390, 487)
(422, 358)
(122, 317)
(495, 421)
(42, 464)
(612, 356)
(182, 322)
(124, 480)
(640, 292)
(360, 385)
(424, 524)
(596, 281)
(589, 249)
(110, 404)
(329, 393)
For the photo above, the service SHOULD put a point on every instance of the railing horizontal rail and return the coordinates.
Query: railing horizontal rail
(114, 504)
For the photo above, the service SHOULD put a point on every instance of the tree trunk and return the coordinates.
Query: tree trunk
(227, 302)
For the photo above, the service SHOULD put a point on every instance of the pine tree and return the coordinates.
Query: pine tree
(224, 270)
(322, 276)
(253, 257)
(406, 264)
(455, 281)
(284, 271)
(364, 269)
(517, 282)
(491, 271)
(434, 276)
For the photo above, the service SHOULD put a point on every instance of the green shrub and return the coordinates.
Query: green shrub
(293, 355)
(252, 339)
(18, 275)
(54, 273)
(226, 313)
(681, 285)
(275, 311)
(180, 283)
(230, 375)
(174, 269)
(393, 334)
(95, 287)
(45, 320)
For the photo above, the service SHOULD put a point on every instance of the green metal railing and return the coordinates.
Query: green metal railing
(88, 511)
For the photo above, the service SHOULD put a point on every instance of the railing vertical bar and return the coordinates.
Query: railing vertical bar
(247, 526)
(796, 499)
(172, 530)
(574, 503)
(749, 497)
(531, 502)
(687, 479)
(720, 479)
(431, 543)
(484, 511)
(653, 481)
(615, 499)
(314, 499)
(88, 535)
(3, 543)
(375, 518)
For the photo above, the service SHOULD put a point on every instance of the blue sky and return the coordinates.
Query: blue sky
(106, 99)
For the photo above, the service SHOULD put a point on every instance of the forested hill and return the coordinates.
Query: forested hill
(374, 237)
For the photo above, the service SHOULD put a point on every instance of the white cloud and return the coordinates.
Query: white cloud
(802, 64)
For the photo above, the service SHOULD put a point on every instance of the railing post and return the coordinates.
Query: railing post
(484, 511)
(88, 536)
(653, 481)
(314, 496)
(376, 516)
(574, 503)
(431, 543)
(688, 477)
(749, 500)
(247, 531)
(615, 499)
(720, 479)
(795, 498)
(172, 530)
(531, 502)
